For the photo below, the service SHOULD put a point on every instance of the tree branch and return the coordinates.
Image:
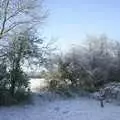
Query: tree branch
(5, 18)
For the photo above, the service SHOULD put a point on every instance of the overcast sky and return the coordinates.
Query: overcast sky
(71, 20)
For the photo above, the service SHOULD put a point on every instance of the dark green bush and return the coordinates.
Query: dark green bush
(22, 95)
(5, 98)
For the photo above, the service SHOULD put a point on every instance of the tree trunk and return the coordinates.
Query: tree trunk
(12, 88)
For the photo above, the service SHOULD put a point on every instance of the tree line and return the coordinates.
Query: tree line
(87, 67)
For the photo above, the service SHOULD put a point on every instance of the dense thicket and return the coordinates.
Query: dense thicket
(88, 66)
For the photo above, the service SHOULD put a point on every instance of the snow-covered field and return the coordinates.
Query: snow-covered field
(77, 109)
(36, 84)
(71, 109)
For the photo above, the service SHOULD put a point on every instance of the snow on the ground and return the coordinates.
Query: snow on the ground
(36, 84)
(73, 109)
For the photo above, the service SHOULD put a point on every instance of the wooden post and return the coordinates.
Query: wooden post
(102, 97)
(101, 103)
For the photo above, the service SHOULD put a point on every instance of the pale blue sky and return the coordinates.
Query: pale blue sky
(71, 20)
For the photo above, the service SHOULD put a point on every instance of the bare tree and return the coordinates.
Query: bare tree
(16, 13)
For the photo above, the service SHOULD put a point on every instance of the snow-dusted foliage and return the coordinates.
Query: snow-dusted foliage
(90, 65)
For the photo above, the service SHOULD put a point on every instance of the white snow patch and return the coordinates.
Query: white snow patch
(36, 84)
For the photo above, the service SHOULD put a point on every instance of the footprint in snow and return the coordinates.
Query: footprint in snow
(57, 108)
(65, 112)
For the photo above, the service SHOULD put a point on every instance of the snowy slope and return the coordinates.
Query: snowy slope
(77, 109)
